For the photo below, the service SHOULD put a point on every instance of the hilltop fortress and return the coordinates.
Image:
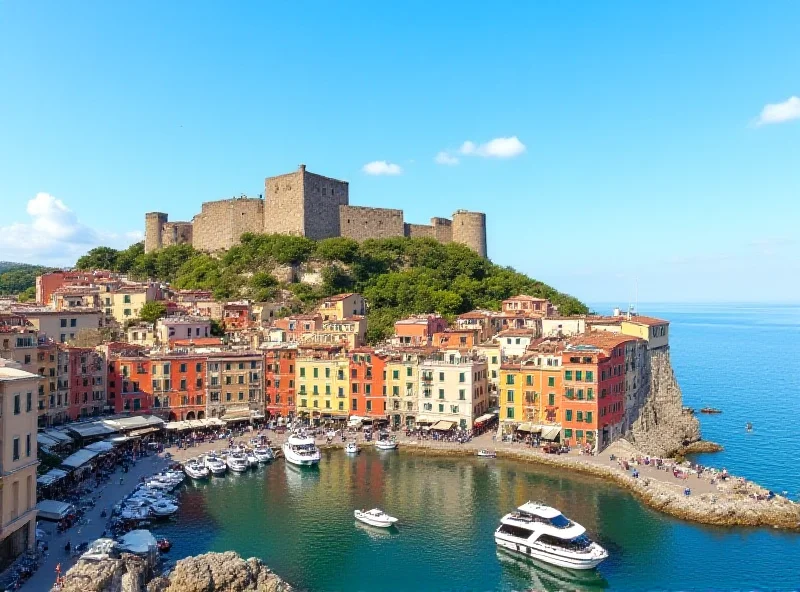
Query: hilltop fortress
(305, 204)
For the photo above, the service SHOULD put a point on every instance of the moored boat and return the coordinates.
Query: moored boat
(375, 517)
(544, 533)
(352, 448)
(237, 462)
(386, 444)
(216, 465)
(264, 454)
(196, 470)
(301, 450)
(483, 453)
(710, 410)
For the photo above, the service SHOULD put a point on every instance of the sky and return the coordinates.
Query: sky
(620, 150)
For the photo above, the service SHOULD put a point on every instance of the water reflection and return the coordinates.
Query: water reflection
(543, 576)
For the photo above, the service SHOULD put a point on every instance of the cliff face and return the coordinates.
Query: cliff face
(211, 572)
(660, 426)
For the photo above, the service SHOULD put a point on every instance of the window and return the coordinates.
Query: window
(28, 445)
(441, 393)
(441, 376)
(316, 372)
(453, 408)
(568, 433)
(17, 404)
(408, 371)
(369, 405)
(395, 374)
(355, 405)
(15, 453)
(567, 374)
(63, 322)
(427, 407)
(578, 375)
(462, 395)
(441, 407)
(126, 299)
(568, 415)
(551, 399)
(461, 377)
(510, 412)
(73, 322)
(302, 372)
(588, 417)
(510, 396)
(579, 434)
(580, 394)
(327, 372)
(509, 379)
(127, 312)
(590, 394)
(529, 380)
(580, 416)
(589, 376)
(28, 402)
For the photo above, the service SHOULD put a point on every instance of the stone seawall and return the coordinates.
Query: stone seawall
(660, 426)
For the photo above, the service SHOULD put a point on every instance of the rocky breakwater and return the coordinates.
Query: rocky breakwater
(210, 572)
(660, 425)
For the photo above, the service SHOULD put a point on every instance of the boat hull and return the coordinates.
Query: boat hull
(300, 460)
(549, 557)
(392, 446)
(375, 523)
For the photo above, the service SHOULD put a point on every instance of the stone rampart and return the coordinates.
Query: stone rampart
(361, 223)
(176, 233)
(220, 224)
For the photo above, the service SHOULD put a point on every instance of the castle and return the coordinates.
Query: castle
(305, 204)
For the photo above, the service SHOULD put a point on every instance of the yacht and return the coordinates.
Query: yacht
(163, 508)
(386, 444)
(544, 533)
(196, 470)
(352, 448)
(375, 517)
(483, 453)
(301, 450)
(216, 465)
(264, 454)
(252, 459)
(237, 462)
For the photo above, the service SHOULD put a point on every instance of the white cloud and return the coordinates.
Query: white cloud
(381, 167)
(497, 148)
(446, 158)
(54, 235)
(780, 112)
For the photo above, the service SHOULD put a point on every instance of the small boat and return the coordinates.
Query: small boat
(749, 427)
(710, 410)
(196, 470)
(264, 454)
(163, 509)
(352, 448)
(164, 545)
(237, 462)
(375, 517)
(386, 444)
(483, 453)
(252, 459)
(544, 533)
(216, 465)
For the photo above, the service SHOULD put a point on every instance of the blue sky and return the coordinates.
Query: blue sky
(655, 144)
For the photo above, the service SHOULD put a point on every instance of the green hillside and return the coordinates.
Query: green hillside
(398, 276)
(19, 278)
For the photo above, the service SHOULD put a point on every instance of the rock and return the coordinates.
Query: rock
(211, 572)
(222, 572)
(699, 446)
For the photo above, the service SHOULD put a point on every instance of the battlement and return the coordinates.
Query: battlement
(305, 204)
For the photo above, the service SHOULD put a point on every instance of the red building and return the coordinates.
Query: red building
(184, 395)
(279, 368)
(133, 390)
(87, 382)
(367, 381)
(593, 396)
(236, 316)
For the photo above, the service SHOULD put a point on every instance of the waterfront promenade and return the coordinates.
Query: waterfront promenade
(106, 496)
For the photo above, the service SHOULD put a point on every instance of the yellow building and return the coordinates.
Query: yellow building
(322, 388)
(654, 331)
(401, 386)
(18, 418)
(342, 306)
(124, 303)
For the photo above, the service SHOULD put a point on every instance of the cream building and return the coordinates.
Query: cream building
(18, 418)
(654, 331)
(402, 388)
(342, 306)
(184, 327)
(143, 334)
(454, 388)
(125, 302)
(62, 325)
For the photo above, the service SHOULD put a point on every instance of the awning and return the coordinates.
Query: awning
(100, 447)
(194, 424)
(135, 422)
(144, 431)
(51, 477)
(44, 440)
(443, 425)
(550, 432)
(79, 459)
(58, 435)
(53, 510)
(529, 428)
(89, 429)
(117, 440)
(485, 417)
(139, 542)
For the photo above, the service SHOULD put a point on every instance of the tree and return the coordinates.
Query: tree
(217, 330)
(337, 249)
(152, 311)
(28, 294)
(99, 258)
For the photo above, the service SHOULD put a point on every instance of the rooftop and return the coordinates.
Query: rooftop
(642, 320)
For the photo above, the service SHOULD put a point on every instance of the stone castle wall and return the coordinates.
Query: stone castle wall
(305, 204)
(220, 223)
(361, 223)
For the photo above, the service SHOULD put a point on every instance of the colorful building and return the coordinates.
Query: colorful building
(418, 330)
(323, 386)
(279, 377)
(453, 388)
(87, 382)
(367, 375)
(342, 306)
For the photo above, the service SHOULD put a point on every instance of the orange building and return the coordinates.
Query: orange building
(279, 391)
(456, 338)
(418, 330)
(367, 380)
(184, 396)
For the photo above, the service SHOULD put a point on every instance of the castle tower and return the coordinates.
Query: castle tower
(469, 228)
(153, 227)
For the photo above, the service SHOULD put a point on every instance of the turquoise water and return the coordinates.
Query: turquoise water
(301, 524)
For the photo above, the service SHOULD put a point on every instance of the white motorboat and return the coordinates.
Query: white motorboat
(375, 517)
(237, 462)
(483, 453)
(545, 534)
(252, 459)
(352, 448)
(163, 509)
(216, 465)
(135, 513)
(386, 444)
(301, 450)
(264, 454)
(196, 470)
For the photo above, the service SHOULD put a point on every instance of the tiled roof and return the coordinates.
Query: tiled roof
(642, 320)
